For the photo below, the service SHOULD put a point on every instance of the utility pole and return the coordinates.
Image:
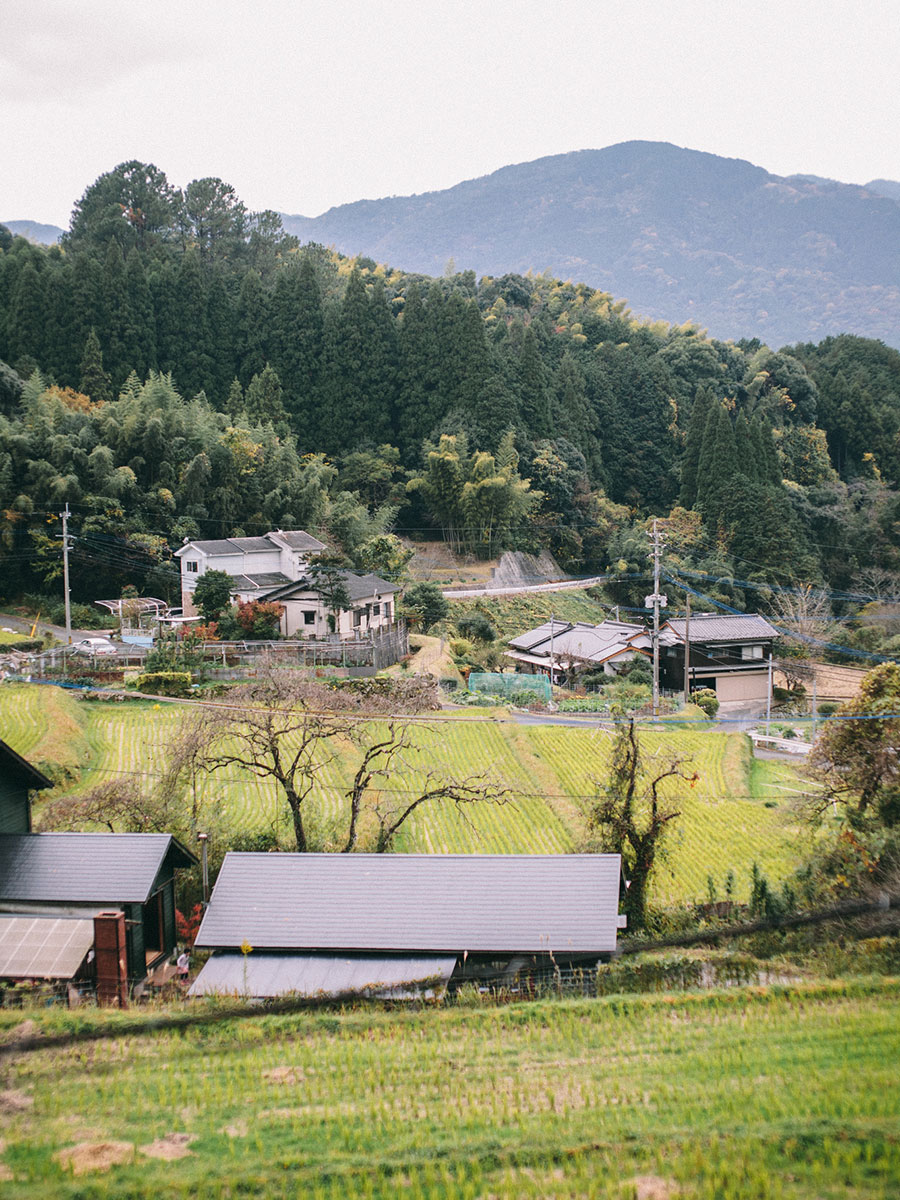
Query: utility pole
(655, 601)
(65, 538)
(687, 650)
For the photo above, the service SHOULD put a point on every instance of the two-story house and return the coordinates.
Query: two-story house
(257, 564)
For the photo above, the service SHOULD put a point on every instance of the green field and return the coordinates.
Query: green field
(511, 615)
(739, 813)
(752, 1094)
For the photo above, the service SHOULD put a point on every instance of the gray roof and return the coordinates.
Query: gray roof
(359, 587)
(230, 973)
(85, 868)
(255, 582)
(534, 637)
(14, 766)
(589, 643)
(298, 539)
(723, 627)
(415, 902)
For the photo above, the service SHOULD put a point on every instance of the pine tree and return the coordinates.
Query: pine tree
(115, 316)
(690, 463)
(253, 344)
(264, 397)
(534, 402)
(297, 340)
(94, 380)
(140, 334)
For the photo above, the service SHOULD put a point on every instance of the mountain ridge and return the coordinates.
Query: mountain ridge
(682, 234)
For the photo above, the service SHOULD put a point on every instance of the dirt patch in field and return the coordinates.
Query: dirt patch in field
(95, 1156)
(237, 1129)
(285, 1075)
(12, 1102)
(170, 1147)
(6, 1172)
(652, 1187)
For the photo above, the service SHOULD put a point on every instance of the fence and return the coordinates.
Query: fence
(504, 685)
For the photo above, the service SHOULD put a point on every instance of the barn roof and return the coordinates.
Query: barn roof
(85, 868)
(415, 903)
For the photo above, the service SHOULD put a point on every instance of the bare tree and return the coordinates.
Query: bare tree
(630, 815)
(119, 804)
(474, 789)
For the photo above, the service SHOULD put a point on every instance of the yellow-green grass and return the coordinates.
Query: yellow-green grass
(738, 813)
(510, 615)
(753, 1094)
(46, 726)
(9, 637)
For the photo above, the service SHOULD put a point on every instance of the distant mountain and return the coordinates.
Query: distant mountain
(885, 187)
(682, 235)
(34, 231)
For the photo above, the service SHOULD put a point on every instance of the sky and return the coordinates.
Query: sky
(303, 105)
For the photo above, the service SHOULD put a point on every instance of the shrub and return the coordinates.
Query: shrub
(461, 648)
(476, 627)
(828, 708)
(165, 683)
(706, 699)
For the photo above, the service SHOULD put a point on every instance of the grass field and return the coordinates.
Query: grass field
(510, 615)
(752, 1094)
(739, 813)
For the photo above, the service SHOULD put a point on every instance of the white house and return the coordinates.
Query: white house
(558, 648)
(307, 613)
(257, 564)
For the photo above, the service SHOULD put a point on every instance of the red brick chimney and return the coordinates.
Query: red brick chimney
(111, 959)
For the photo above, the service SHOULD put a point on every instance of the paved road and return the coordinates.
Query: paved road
(24, 624)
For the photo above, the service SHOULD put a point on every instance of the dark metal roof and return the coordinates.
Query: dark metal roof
(723, 627)
(230, 973)
(415, 902)
(85, 868)
(295, 539)
(14, 766)
(253, 545)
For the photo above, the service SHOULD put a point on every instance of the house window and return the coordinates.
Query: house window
(718, 651)
(309, 616)
(376, 610)
(357, 617)
(191, 566)
(751, 651)
(387, 609)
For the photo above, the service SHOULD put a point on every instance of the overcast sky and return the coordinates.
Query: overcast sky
(304, 104)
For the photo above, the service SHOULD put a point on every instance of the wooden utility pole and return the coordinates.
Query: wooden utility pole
(687, 650)
(65, 539)
(655, 601)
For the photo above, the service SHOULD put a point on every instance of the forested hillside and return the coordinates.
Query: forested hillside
(680, 234)
(181, 367)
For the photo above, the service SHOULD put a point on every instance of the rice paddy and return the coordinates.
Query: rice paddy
(738, 813)
(751, 1094)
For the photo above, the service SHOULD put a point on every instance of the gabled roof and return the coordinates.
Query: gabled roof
(724, 627)
(566, 903)
(85, 868)
(14, 766)
(359, 587)
(588, 643)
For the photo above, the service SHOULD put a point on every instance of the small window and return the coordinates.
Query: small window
(191, 566)
(357, 617)
(751, 651)
(387, 608)
(376, 610)
(309, 616)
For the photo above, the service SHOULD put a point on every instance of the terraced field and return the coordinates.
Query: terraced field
(738, 813)
(782, 1093)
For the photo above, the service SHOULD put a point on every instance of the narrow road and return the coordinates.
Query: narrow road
(476, 593)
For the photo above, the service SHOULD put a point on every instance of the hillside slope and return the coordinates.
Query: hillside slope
(683, 235)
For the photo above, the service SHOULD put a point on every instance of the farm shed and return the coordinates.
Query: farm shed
(328, 923)
(17, 779)
(64, 881)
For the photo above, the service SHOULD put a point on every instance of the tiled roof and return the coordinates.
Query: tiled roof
(359, 587)
(566, 903)
(298, 539)
(101, 868)
(723, 627)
